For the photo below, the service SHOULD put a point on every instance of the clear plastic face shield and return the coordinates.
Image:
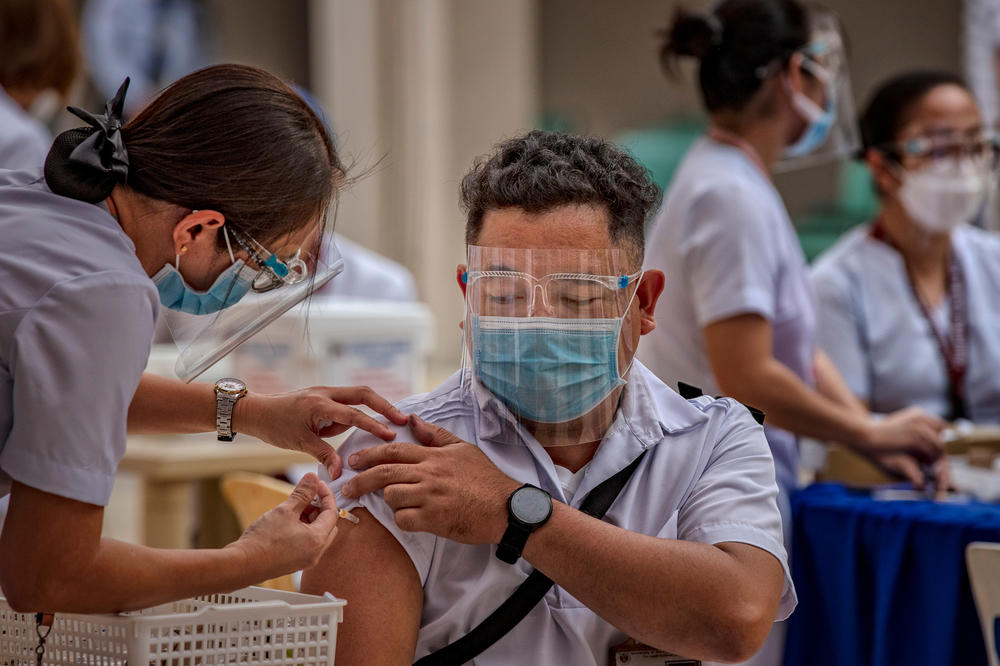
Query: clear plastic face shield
(255, 291)
(947, 175)
(551, 334)
(830, 132)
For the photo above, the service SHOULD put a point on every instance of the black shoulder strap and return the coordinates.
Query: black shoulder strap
(689, 392)
(528, 593)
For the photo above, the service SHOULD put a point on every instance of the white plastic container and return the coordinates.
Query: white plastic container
(250, 626)
(341, 342)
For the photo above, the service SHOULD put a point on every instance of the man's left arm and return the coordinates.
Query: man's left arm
(710, 602)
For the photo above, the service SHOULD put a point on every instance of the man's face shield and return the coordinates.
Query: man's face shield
(824, 68)
(550, 334)
(279, 277)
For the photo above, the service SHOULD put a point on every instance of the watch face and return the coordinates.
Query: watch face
(230, 386)
(530, 505)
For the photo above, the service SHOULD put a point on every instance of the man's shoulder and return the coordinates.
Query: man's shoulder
(448, 406)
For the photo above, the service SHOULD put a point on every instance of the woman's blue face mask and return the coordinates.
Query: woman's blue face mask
(227, 289)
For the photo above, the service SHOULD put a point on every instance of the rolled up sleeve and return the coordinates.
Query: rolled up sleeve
(418, 545)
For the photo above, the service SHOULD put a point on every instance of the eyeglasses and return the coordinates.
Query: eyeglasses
(564, 295)
(977, 144)
(273, 272)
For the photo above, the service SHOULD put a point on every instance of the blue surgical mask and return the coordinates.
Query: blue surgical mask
(547, 370)
(820, 120)
(176, 294)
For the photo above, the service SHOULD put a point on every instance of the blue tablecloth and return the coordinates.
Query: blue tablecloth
(884, 583)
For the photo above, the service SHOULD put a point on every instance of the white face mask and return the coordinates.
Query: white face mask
(945, 194)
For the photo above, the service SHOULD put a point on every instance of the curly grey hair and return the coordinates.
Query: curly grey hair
(539, 171)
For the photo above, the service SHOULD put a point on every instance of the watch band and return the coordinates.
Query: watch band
(224, 416)
(513, 542)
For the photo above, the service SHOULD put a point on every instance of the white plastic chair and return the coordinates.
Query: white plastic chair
(983, 560)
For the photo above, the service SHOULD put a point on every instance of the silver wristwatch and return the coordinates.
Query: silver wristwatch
(227, 392)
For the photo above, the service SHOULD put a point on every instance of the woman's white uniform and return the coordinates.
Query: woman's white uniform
(77, 313)
(24, 142)
(872, 327)
(727, 246)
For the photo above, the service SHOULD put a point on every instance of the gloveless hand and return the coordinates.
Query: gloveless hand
(446, 487)
(299, 420)
(910, 430)
(294, 534)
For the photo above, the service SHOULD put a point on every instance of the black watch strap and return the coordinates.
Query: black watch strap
(512, 544)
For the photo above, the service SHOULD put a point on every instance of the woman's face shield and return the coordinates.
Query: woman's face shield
(825, 68)
(280, 277)
(549, 333)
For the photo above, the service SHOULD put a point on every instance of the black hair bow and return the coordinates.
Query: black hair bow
(104, 150)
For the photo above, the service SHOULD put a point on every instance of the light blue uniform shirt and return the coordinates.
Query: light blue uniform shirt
(873, 330)
(707, 477)
(77, 313)
(728, 248)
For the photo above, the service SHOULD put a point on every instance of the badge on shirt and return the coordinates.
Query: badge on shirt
(634, 653)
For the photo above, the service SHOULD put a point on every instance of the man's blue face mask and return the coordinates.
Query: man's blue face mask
(551, 369)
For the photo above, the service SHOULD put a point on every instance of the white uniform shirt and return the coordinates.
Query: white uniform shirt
(24, 142)
(873, 330)
(707, 477)
(76, 319)
(727, 246)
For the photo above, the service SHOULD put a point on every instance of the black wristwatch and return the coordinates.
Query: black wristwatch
(528, 508)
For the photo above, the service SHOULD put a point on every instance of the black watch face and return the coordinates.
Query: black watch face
(530, 505)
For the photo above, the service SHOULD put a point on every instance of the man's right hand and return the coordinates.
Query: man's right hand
(294, 534)
(910, 430)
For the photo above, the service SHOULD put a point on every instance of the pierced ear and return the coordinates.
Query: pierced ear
(189, 228)
(461, 276)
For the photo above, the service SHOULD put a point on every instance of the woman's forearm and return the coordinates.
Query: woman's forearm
(162, 405)
(793, 405)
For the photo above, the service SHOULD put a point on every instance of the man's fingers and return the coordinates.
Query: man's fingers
(363, 395)
(404, 495)
(381, 454)
(429, 434)
(377, 478)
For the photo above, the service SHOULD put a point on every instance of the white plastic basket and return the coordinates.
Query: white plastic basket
(250, 626)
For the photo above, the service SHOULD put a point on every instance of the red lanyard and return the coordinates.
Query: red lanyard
(955, 348)
(736, 141)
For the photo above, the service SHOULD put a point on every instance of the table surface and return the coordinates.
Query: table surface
(884, 582)
(202, 456)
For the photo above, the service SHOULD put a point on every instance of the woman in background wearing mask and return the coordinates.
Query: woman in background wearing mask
(908, 306)
(744, 321)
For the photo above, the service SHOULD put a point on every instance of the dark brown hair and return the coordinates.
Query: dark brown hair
(237, 140)
(40, 45)
(892, 105)
(540, 171)
(229, 138)
(735, 45)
